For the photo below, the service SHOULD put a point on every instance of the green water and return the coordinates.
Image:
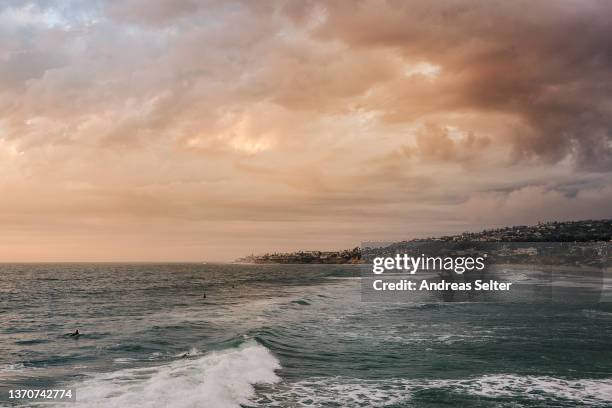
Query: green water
(293, 336)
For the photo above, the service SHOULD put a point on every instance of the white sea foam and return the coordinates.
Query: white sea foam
(587, 391)
(221, 379)
(597, 314)
(122, 360)
(317, 392)
(349, 392)
(191, 353)
(12, 367)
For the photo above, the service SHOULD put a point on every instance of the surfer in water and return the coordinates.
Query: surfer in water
(75, 334)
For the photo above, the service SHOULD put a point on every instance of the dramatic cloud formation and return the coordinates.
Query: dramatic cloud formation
(189, 130)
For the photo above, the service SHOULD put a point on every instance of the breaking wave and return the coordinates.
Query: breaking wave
(221, 379)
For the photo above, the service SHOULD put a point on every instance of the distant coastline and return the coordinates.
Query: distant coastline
(347, 256)
(584, 231)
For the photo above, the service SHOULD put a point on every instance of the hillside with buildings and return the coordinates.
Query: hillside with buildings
(571, 231)
(306, 257)
(587, 231)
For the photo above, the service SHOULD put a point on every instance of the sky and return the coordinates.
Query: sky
(184, 130)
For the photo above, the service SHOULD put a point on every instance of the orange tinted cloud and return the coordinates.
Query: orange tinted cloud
(182, 130)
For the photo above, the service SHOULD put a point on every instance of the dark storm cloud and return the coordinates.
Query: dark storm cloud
(549, 63)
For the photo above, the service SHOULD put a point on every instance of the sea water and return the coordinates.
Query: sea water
(223, 335)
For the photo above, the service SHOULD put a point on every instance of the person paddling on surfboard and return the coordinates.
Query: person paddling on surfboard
(75, 334)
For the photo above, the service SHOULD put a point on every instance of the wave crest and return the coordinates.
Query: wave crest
(222, 379)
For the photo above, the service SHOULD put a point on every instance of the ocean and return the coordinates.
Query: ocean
(295, 336)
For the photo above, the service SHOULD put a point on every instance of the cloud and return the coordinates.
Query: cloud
(446, 144)
(549, 67)
(532, 204)
(156, 13)
(218, 124)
